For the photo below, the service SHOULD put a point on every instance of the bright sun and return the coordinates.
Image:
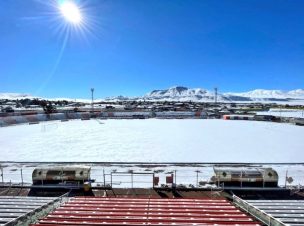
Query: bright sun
(71, 12)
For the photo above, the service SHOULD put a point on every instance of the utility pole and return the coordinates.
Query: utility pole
(215, 95)
(92, 103)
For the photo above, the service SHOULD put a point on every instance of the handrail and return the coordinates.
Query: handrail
(155, 163)
(256, 212)
(39, 212)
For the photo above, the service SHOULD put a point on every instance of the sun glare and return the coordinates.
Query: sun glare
(71, 12)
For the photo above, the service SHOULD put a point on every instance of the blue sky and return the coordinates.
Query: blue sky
(135, 46)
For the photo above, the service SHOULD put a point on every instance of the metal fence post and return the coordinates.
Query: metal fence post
(21, 177)
(111, 181)
(2, 174)
(263, 179)
(218, 180)
(286, 178)
(62, 175)
(197, 171)
(242, 178)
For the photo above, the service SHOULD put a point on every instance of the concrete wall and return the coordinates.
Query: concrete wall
(36, 118)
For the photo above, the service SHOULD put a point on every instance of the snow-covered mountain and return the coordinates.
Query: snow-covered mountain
(14, 96)
(198, 94)
(180, 93)
(278, 94)
(297, 94)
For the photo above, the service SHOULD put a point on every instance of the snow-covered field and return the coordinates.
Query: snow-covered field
(153, 140)
(283, 113)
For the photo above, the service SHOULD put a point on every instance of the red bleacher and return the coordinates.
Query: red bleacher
(138, 211)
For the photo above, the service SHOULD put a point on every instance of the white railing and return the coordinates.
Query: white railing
(40, 212)
(256, 212)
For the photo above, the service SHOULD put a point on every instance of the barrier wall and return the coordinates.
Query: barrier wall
(12, 120)
(238, 117)
(36, 118)
(131, 114)
(175, 113)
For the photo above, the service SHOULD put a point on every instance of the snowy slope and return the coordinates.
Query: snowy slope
(198, 94)
(277, 94)
(298, 93)
(180, 93)
(14, 96)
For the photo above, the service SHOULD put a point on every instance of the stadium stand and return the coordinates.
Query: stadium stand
(289, 212)
(145, 211)
(13, 209)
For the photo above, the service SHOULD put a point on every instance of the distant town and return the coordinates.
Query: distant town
(132, 109)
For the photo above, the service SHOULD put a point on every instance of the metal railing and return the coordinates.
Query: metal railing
(256, 212)
(40, 212)
(106, 174)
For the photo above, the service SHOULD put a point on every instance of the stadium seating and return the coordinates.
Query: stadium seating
(144, 211)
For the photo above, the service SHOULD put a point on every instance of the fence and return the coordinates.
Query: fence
(144, 175)
(132, 178)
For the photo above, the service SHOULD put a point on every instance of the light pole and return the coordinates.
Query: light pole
(92, 103)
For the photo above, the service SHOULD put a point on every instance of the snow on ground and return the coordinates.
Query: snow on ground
(283, 113)
(153, 140)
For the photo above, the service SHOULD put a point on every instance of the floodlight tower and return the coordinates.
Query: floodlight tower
(215, 95)
(92, 103)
